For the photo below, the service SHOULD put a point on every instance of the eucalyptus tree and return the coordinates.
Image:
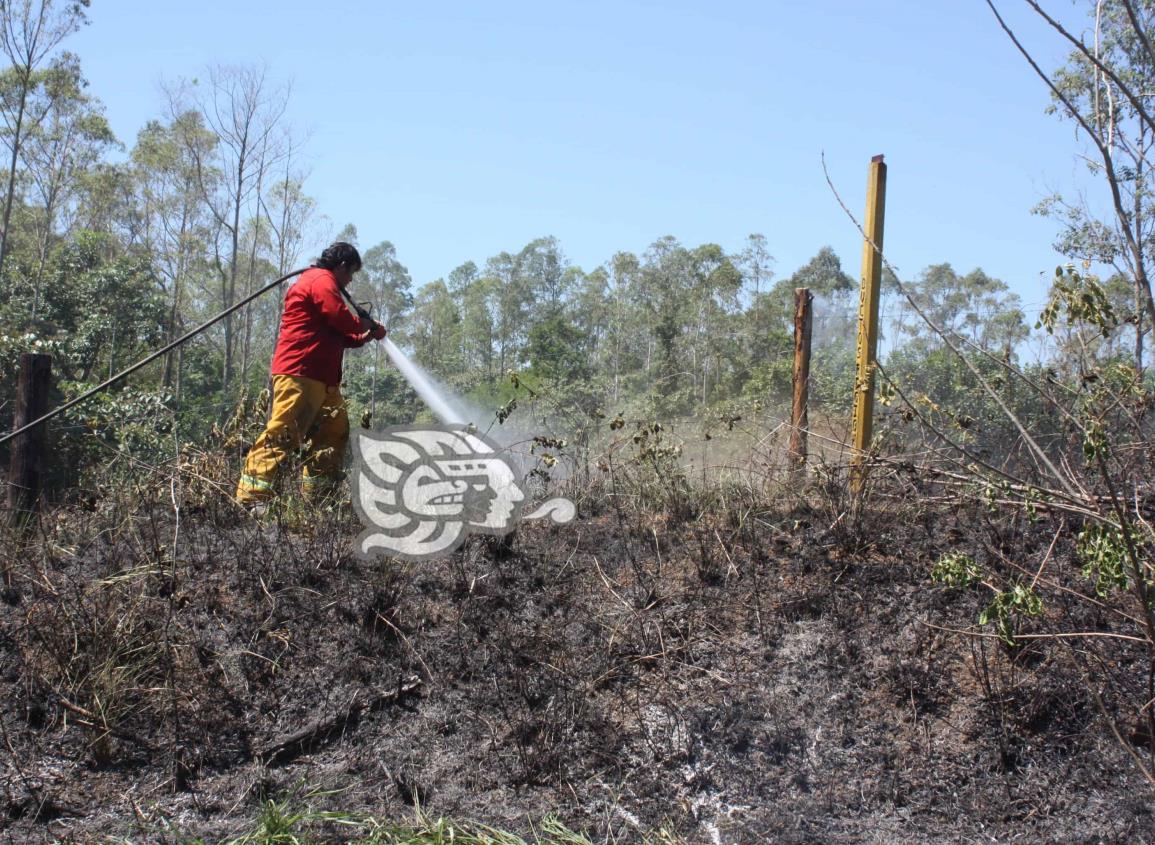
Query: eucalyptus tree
(509, 301)
(1078, 348)
(107, 201)
(689, 301)
(629, 341)
(834, 318)
(541, 267)
(715, 288)
(475, 295)
(245, 111)
(72, 139)
(261, 319)
(289, 211)
(558, 350)
(1105, 90)
(979, 311)
(390, 286)
(756, 264)
(591, 313)
(659, 295)
(30, 30)
(956, 359)
(435, 330)
(823, 274)
(288, 218)
(168, 166)
(386, 283)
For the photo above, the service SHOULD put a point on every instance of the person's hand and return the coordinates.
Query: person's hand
(377, 331)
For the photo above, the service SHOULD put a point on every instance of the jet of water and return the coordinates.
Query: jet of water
(423, 385)
(516, 440)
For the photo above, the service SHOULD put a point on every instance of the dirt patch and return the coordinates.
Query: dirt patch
(739, 679)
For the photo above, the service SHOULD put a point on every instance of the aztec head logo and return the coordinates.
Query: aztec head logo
(421, 491)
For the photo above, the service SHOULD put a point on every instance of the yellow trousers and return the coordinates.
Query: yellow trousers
(304, 411)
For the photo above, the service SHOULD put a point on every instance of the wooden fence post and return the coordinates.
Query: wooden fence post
(800, 420)
(868, 321)
(26, 465)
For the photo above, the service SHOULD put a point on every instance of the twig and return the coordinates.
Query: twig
(1069, 635)
(92, 720)
(1047, 556)
(401, 634)
(1102, 707)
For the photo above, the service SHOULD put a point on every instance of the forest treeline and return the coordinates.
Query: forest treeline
(112, 247)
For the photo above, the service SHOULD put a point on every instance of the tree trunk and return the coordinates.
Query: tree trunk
(26, 470)
(800, 418)
(16, 139)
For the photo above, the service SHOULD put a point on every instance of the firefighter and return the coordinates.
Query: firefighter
(317, 326)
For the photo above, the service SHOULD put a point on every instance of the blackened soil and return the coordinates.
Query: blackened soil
(751, 677)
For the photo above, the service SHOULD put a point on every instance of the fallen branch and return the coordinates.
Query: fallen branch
(1066, 635)
(321, 730)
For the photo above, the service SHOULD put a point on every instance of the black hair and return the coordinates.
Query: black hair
(337, 254)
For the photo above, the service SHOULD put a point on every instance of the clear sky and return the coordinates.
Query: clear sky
(457, 130)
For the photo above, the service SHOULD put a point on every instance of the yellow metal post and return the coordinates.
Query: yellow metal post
(868, 320)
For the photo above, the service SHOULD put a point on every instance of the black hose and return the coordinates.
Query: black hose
(180, 340)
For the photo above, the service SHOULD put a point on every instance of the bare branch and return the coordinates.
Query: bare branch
(1104, 152)
(1089, 54)
(1139, 31)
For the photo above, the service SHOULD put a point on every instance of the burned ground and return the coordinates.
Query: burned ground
(742, 674)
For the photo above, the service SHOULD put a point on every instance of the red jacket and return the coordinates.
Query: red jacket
(316, 328)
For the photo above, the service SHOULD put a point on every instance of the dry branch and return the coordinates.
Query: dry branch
(320, 730)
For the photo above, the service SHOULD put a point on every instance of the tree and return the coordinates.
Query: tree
(386, 282)
(823, 274)
(1081, 347)
(590, 309)
(557, 350)
(175, 226)
(244, 111)
(107, 201)
(391, 286)
(508, 303)
(756, 264)
(69, 142)
(1105, 89)
(686, 300)
(29, 31)
(108, 313)
(956, 359)
(629, 340)
(289, 211)
(435, 332)
(975, 309)
(475, 295)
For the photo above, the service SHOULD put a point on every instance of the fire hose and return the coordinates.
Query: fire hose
(171, 346)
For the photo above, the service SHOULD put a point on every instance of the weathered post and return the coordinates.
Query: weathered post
(26, 466)
(867, 351)
(800, 420)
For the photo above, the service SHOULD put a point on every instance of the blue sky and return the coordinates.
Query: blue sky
(457, 130)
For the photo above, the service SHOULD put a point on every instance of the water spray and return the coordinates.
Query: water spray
(422, 384)
(558, 510)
